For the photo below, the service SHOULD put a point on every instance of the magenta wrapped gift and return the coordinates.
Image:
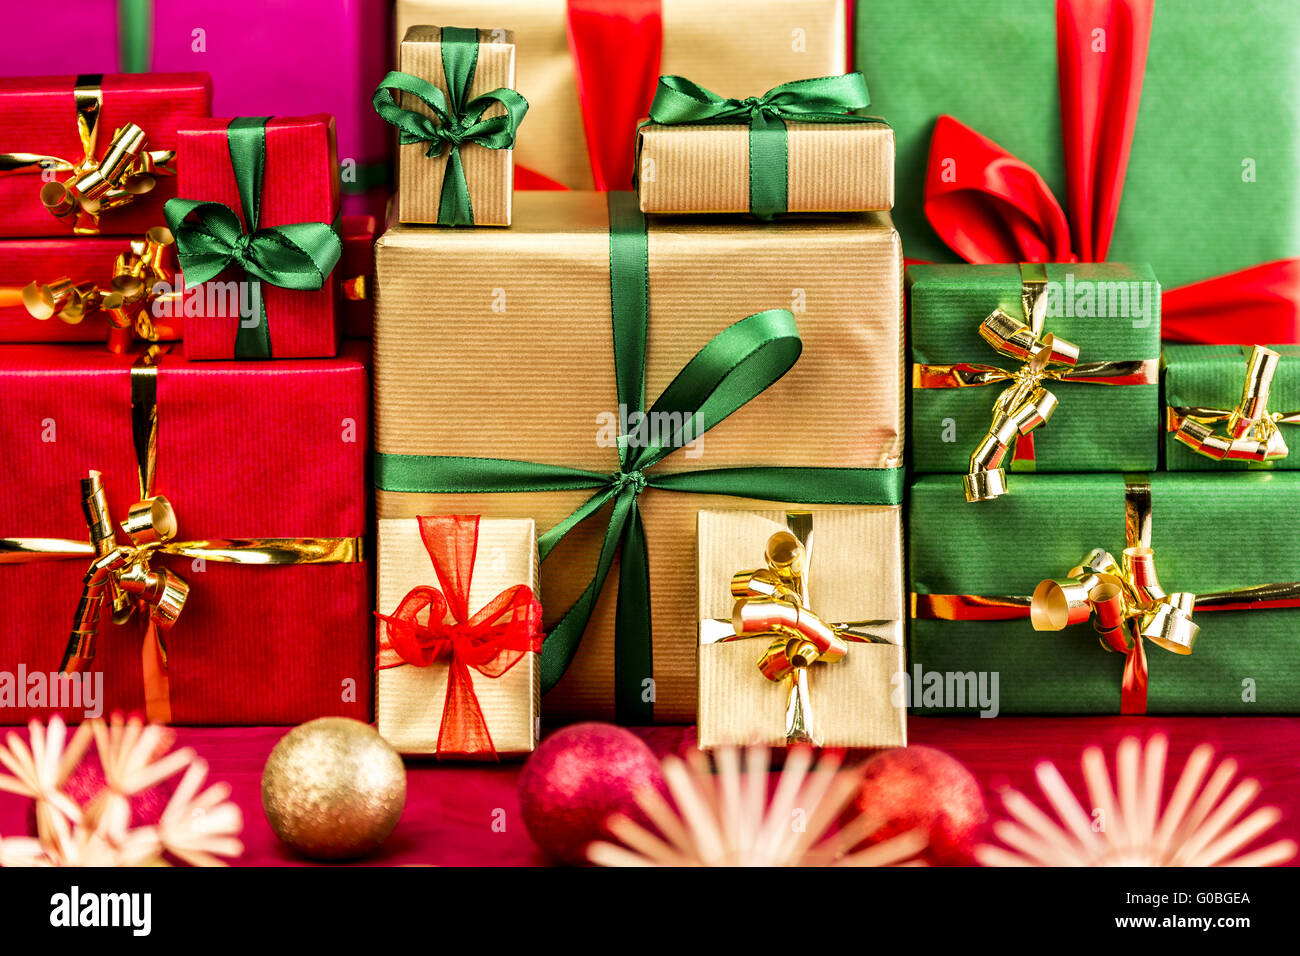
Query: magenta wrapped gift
(282, 57)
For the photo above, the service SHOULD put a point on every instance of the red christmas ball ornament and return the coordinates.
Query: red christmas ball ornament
(86, 785)
(922, 788)
(576, 779)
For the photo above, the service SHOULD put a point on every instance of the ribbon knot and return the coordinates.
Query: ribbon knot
(453, 118)
(1025, 404)
(1127, 606)
(635, 480)
(1253, 432)
(124, 574)
(433, 625)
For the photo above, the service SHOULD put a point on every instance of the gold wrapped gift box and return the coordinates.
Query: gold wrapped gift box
(489, 173)
(497, 344)
(854, 575)
(833, 167)
(409, 700)
(731, 46)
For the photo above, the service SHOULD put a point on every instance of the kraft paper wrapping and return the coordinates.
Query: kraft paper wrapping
(409, 700)
(489, 173)
(705, 169)
(497, 343)
(732, 47)
(855, 575)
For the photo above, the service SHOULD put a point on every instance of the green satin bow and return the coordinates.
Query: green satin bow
(823, 99)
(737, 365)
(456, 118)
(210, 238)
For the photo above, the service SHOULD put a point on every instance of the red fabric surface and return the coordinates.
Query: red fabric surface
(449, 807)
(300, 184)
(39, 115)
(254, 645)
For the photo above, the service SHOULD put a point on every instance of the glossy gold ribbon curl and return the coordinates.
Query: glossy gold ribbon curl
(128, 168)
(142, 275)
(1253, 432)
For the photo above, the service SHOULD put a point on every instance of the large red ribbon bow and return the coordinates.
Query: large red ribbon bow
(989, 206)
(433, 625)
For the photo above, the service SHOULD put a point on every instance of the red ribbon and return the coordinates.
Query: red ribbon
(990, 206)
(434, 626)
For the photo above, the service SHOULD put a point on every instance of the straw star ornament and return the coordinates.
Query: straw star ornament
(724, 817)
(1129, 823)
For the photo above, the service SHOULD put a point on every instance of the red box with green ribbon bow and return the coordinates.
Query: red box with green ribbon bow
(93, 153)
(215, 541)
(257, 237)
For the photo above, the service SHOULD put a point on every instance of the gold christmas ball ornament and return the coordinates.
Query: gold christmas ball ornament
(333, 789)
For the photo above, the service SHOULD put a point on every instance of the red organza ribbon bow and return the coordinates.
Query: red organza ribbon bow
(434, 626)
(989, 206)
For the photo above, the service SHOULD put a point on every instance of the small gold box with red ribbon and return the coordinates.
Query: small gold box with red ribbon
(1106, 593)
(459, 631)
(1037, 367)
(801, 627)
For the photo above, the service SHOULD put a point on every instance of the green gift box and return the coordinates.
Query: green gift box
(1211, 185)
(1202, 379)
(974, 568)
(1111, 311)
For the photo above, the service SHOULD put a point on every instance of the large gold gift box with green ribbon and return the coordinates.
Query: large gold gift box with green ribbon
(801, 628)
(610, 379)
(1100, 594)
(1049, 368)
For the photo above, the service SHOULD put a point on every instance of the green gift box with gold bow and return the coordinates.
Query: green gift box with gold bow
(256, 224)
(800, 147)
(1106, 593)
(1051, 368)
(608, 377)
(1207, 385)
(456, 111)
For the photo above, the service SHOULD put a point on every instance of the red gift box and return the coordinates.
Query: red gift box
(356, 270)
(39, 116)
(85, 261)
(244, 450)
(300, 183)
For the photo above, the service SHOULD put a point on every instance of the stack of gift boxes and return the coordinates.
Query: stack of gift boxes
(638, 453)
(183, 522)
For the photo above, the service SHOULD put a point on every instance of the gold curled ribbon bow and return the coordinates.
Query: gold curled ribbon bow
(1252, 430)
(1025, 404)
(127, 169)
(124, 573)
(772, 603)
(142, 275)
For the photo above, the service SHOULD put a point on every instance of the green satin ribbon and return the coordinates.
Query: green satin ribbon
(210, 238)
(823, 99)
(736, 366)
(456, 118)
(134, 35)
